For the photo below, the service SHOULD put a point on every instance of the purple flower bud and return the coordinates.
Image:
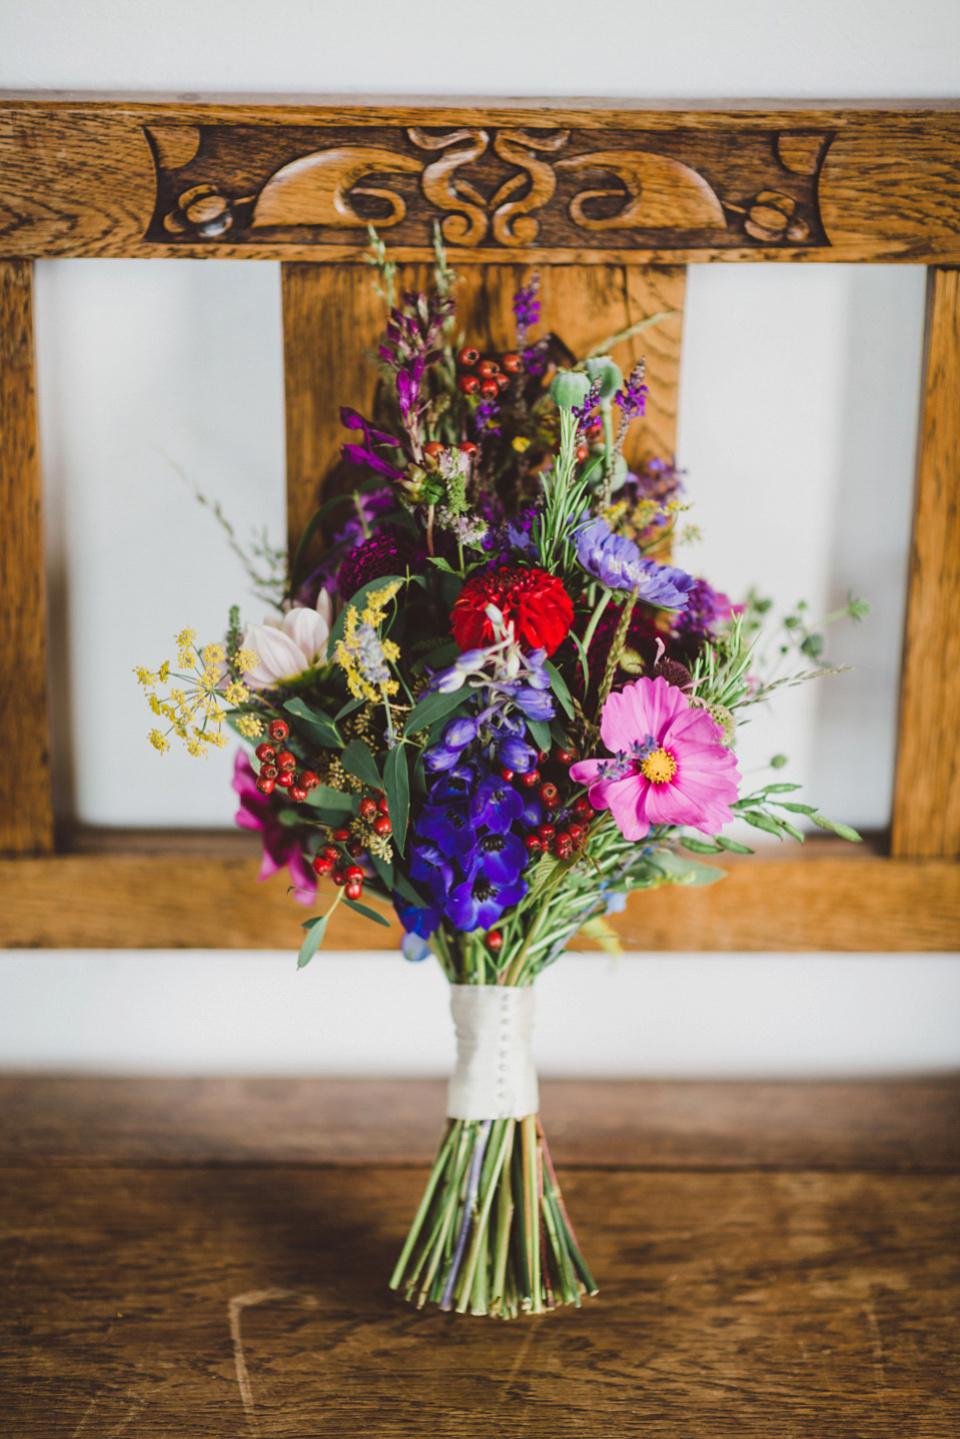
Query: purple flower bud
(439, 757)
(517, 755)
(459, 733)
(535, 703)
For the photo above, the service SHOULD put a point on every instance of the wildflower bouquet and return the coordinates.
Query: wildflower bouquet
(493, 707)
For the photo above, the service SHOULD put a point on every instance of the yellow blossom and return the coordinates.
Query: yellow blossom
(249, 726)
(159, 740)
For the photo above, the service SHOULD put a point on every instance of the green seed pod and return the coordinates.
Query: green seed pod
(569, 388)
(602, 368)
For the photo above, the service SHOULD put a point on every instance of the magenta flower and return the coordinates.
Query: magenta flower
(279, 845)
(668, 764)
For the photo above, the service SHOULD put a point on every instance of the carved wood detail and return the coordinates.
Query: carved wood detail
(505, 187)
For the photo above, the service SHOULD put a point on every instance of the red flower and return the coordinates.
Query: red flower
(538, 604)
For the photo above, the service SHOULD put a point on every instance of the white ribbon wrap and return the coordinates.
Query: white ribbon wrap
(495, 1076)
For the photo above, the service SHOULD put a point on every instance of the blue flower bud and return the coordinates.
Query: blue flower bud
(517, 755)
(439, 757)
(459, 733)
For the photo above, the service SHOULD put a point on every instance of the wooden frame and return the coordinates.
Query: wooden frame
(611, 204)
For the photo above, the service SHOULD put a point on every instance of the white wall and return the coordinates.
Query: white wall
(798, 393)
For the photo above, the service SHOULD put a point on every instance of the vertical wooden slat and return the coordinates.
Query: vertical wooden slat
(26, 806)
(332, 318)
(926, 805)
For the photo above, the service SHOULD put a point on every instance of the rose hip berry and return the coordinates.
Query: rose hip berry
(468, 356)
(468, 384)
(286, 760)
(382, 826)
(265, 751)
(367, 808)
(265, 785)
(495, 941)
(341, 834)
(297, 793)
(322, 865)
(278, 729)
(308, 779)
(284, 779)
(353, 889)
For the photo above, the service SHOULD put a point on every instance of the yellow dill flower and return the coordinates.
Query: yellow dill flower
(236, 693)
(186, 652)
(159, 740)
(247, 660)
(145, 677)
(249, 726)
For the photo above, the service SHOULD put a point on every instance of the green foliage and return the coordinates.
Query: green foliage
(358, 761)
(396, 780)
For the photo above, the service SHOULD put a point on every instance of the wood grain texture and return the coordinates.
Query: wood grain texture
(253, 1302)
(926, 804)
(894, 1126)
(26, 806)
(561, 183)
(143, 892)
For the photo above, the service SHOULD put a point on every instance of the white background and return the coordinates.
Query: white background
(798, 418)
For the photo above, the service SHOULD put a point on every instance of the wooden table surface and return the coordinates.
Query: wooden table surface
(208, 1258)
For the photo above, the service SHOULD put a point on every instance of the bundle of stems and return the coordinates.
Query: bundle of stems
(492, 1234)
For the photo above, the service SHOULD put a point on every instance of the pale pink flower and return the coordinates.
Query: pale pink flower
(668, 765)
(288, 647)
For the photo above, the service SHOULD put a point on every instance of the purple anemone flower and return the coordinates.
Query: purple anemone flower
(617, 563)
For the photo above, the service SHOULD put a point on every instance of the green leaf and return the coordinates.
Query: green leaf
(315, 724)
(431, 708)
(358, 761)
(686, 871)
(559, 734)
(348, 709)
(559, 686)
(795, 808)
(333, 801)
(443, 564)
(396, 780)
(698, 846)
(843, 830)
(543, 872)
(759, 820)
(790, 829)
(316, 929)
(366, 911)
(384, 868)
(733, 845)
(540, 732)
(358, 601)
(779, 788)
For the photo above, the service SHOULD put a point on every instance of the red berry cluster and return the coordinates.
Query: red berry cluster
(331, 860)
(279, 766)
(547, 838)
(485, 377)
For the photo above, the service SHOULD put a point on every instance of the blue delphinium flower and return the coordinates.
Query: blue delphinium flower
(479, 902)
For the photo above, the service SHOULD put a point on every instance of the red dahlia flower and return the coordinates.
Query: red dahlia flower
(536, 602)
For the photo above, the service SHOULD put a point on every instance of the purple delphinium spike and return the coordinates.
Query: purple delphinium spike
(526, 309)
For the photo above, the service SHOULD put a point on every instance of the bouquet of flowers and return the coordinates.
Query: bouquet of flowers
(493, 706)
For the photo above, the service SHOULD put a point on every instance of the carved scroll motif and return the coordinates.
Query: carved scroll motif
(497, 189)
(468, 223)
(315, 190)
(660, 193)
(512, 222)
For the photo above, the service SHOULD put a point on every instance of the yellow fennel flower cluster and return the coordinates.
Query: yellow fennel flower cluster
(361, 653)
(197, 706)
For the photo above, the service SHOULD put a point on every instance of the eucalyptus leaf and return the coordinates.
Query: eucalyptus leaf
(733, 845)
(358, 761)
(540, 733)
(316, 929)
(396, 780)
(431, 708)
(315, 724)
(331, 801)
(559, 686)
(384, 868)
(796, 808)
(348, 709)
(698, 846)
(366, 911)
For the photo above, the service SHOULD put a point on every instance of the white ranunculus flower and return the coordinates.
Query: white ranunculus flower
(287, 647)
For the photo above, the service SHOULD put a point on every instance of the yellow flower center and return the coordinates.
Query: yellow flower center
(659, 767)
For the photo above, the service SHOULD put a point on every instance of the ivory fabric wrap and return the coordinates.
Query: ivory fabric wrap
(495, 1076)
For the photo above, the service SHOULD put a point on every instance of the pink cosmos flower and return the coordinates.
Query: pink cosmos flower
(279, 846)
(669, 766)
